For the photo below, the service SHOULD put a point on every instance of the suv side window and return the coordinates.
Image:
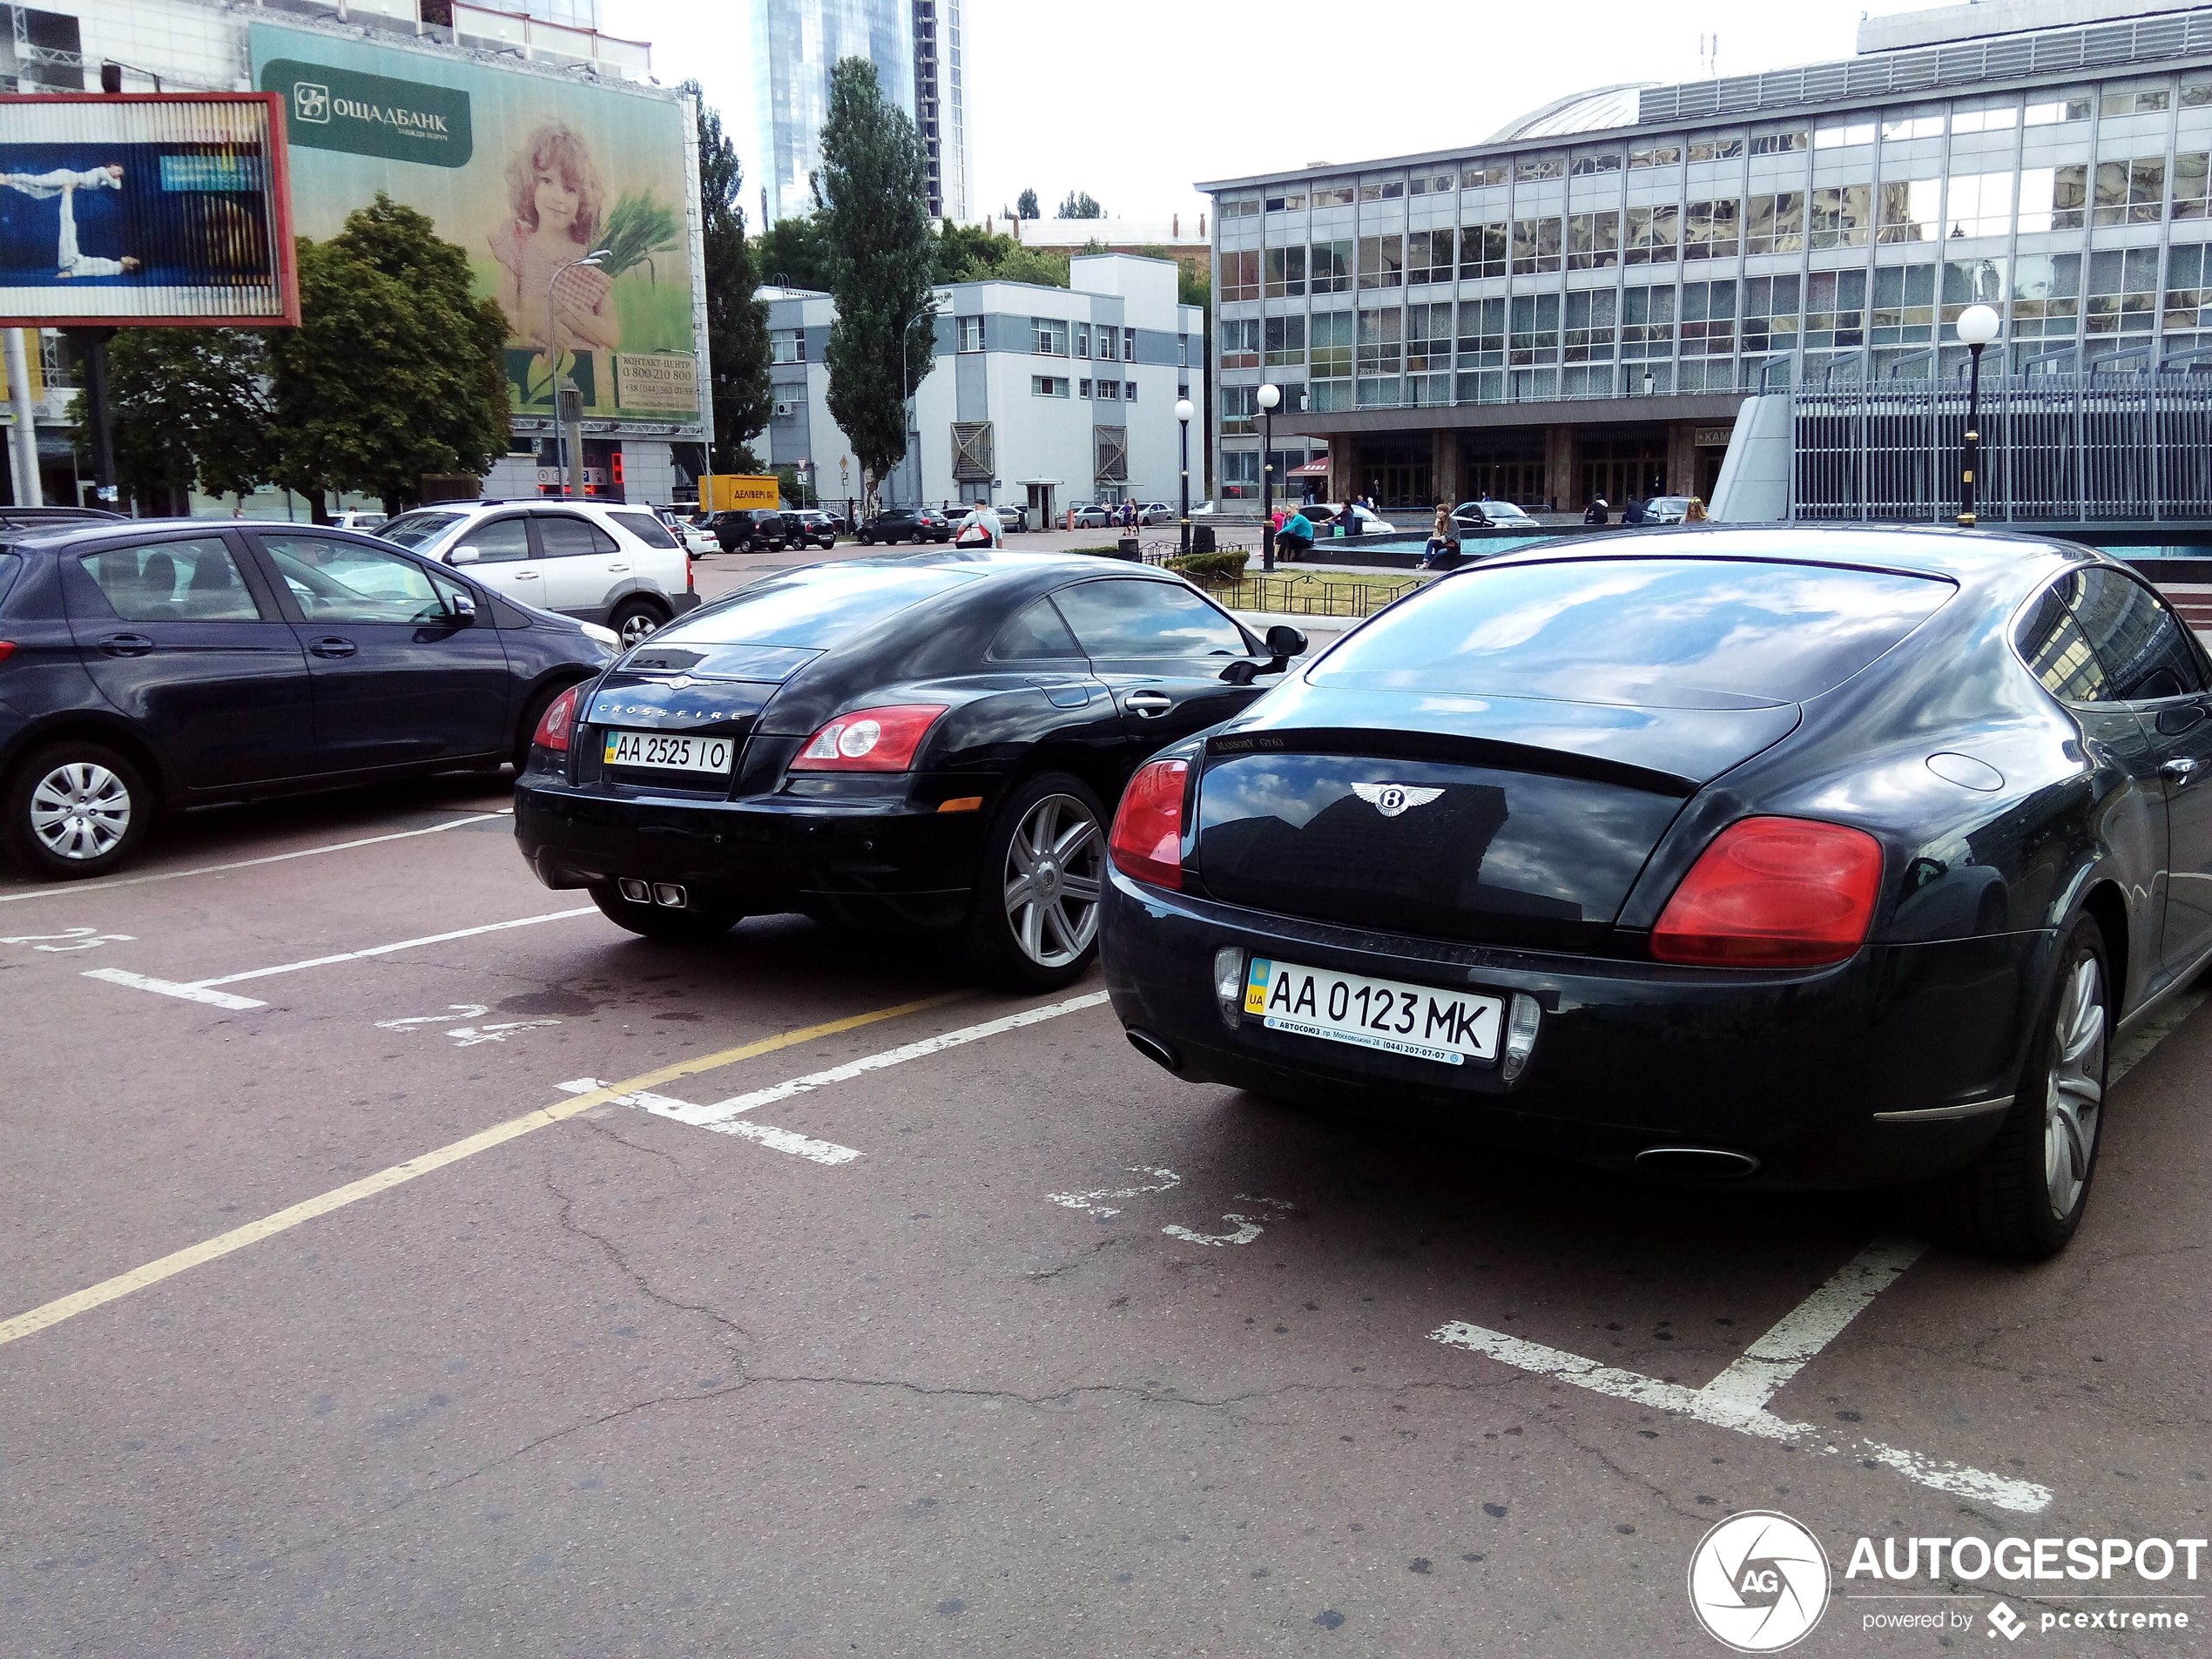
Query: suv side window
(498, 539)
(2142, 644)
(646, 528)
(566, 536)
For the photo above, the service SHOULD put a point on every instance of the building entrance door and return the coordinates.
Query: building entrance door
(1397, 475)
(1623, 468)
(1504, 466)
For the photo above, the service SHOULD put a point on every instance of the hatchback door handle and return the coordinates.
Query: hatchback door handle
(126, 645)
(331, 645)
(1150, 705)
(2181, 767)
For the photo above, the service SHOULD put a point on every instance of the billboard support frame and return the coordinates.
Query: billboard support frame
(285, 262)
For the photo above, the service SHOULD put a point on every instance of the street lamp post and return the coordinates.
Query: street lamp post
(1977, 326)
(1182, 414)
(1268, 398)
(553, 350)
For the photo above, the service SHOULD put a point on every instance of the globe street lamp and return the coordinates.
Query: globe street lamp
(1977, 326)
(553, 350)
(1182, 414)
(1268, 398)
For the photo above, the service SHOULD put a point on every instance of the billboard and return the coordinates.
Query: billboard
(144, 210)
(529, 173)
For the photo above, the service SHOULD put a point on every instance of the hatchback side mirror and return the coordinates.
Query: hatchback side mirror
(461, 607)
(463, 556)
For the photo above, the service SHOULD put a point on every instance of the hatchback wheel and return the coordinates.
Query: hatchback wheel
(1033, 921)
(2023, 1198)
(75, 810)
(635, 620)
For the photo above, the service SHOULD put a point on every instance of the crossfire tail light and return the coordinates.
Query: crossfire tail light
(1774, 892)
(882, 739)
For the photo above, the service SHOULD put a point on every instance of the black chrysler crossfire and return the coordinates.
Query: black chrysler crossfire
(924, 741)
(1811, 857)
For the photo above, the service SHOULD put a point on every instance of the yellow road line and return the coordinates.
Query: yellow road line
(139, 1279)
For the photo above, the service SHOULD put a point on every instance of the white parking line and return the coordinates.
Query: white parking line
(782, 1140)
(202, 990)
(248, 864)
(1736, 1399)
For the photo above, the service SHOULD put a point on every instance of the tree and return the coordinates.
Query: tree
(1026, 204)
(871, 186)
(395, 370)
(969, 254)
(1080, 204)
(190, 407)
(795, 254)
(736, 322)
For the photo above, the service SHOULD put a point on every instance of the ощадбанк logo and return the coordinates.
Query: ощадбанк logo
(1758, 1582)
(310, 102)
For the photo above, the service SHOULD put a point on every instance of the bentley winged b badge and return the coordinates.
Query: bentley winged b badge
(1390, 800)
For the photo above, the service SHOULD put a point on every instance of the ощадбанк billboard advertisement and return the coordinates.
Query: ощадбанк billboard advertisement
(143, 210)
(528, 174)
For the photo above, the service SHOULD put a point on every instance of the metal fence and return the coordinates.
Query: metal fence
(2055, 448)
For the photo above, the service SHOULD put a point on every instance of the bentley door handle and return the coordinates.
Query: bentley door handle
(2180, 768)
(1149, 704)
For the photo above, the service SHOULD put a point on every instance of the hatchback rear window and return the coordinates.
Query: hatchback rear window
(817, 608)
(414, 530)
(10, 563)
(1681, 633)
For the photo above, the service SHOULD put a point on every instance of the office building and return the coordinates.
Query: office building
(1579, 305)
(791, 46)
(1038, 397)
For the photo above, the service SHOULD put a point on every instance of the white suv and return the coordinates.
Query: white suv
(596, 561)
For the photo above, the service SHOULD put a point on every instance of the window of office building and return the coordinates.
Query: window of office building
(1655, 155)
(1997, 121)
(1712, 230)
(1593, 240)
(1285, 273)
(786, 345)
(1082, 339)
(1533, 336)
(1330, 266)
(1777, 144)
(1842, 135)
(1129, 345)
(1383, 193)
(1592, 315)
(1240, 472)
(1602, 161)
(1647, 322)
(2188, 289)
(1903, 313)
(1083, 389)
(1769, 313)
(1708, 319)
(2053, 199)
(1382, 261)
(1106, 342)
(2130, 193)
(1432, 184)
(1333, 196)
(1979, 204)
(1776, 224)
(1654, 235)
(1535, 247)
(1482, 250)
(2123, 291)
(2137, 103)
(1107, 390)
(1330, 333)
(1285, 203)
(1482, 333)
(1537, 167)
(1048, 386)
(1716, 149)
(1429, 337)
(1048, 336)
(1129, 391)
(1971, 282)
(1285, 341)
(1910, 211)
(1429, 256)
(2187, 183)
(1381, 342)
(1835, 309)
(1837, 215)
(1484, 176)
(1240, 343)
(1240, 275)
(1237, 405)
(971, 334)
(2053, 112)
(2046, 295)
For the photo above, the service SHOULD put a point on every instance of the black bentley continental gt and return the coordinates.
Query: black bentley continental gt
(1808, 858)
(926, 741)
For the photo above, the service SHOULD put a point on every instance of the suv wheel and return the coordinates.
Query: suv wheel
(76, 809)
(634, 619)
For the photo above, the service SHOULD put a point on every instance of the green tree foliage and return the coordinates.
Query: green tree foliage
(1080, 204)
(1026, 204)
(969, 253)
(736, 322)
(795, 254)
(395, 370)
(190, 407)
(871, 186)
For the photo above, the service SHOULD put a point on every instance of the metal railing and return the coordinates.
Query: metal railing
(2058, 447)
(1306, 596)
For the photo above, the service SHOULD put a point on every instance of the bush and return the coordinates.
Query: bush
(1107, 552)
(1211, 568)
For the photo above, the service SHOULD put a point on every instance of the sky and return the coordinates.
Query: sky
(1136, 102)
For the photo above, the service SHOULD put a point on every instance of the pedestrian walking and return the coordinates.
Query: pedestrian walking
(980, 528)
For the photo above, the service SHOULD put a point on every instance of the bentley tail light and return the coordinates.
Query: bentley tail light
(1147, 844)
(557, 722)
(882, 739)
(1774, 892)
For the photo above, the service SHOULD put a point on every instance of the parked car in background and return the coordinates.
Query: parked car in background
(690, 529)
(1090, 516)
(1665, 509)
(1492, 514)
(156, 665)
(750, 529)
(1014, 518)
(1326, 514)
(915, 525)
(924, 741)
(1156, 512)
(614, 564)
(355, 519)
(811, 527)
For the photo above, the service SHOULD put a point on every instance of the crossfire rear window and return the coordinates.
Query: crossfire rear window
(817, 608)
(1683, 633)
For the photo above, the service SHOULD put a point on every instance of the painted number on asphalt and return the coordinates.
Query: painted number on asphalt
(466, 1036)
(68, 939)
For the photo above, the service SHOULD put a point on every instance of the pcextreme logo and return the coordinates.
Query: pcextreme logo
(1758, 1582)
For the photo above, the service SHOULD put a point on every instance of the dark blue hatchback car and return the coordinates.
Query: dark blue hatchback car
(151, 666)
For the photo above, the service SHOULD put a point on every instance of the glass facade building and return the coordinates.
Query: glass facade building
(791, 47)
(1578, 306)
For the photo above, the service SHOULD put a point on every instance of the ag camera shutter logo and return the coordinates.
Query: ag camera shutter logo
(1758, 1582)
(311, 103)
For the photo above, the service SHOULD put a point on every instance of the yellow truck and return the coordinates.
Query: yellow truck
(722, 491)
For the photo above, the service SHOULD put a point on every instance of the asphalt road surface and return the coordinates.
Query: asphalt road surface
(397, 1260)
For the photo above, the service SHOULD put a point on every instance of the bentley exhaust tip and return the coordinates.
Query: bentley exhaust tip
(1153, 1050)
(1698, 1163)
